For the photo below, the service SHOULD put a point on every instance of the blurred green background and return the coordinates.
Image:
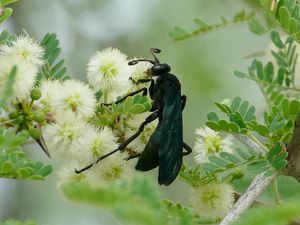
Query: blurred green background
(203, 64)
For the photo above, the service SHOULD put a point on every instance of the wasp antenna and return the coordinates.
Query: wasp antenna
(133, 62)
(153, 51)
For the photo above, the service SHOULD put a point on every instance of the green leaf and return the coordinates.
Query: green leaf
(54, 68)
(234, 127)
(267, 215)
(276, 125)
(7, 2)
(200, 23)
(229, 157)
(269, 173)
(213, 125)
(223, 124)
(269, 72)
(242, 153)
(235, 103)
(212, 116)
(16, 222)
(262, 130)
(280, 76)
(209, 166)
(250, 115)
(44, 171)
(285, 107)
(273, 152)
(293, 25)
(244, 107)
(14, 163)
(178, 33)
(260, 70)
(256, 27)
(276, 39)
(121, 198)
(267, 4)
(294, 107)
(279, 165)
(7, 13)
(280, 60)
(239, 74)
(8, 90)
(223, 108)
(284, 17)
(218, 161)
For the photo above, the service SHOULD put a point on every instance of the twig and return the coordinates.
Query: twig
(257, 186)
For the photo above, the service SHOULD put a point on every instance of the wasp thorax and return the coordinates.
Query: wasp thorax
(160, 68)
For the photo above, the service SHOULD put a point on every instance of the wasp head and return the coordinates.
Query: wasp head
(157, 68)
(160, 68)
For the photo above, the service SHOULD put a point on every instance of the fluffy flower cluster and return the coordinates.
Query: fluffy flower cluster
(70, 125)
(72, 104)
(108, 71)
(27, 56)
(208, 143)
(213, 200)
(70, 95)
(70, 137)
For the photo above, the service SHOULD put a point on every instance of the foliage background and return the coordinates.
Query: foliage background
(203, 64)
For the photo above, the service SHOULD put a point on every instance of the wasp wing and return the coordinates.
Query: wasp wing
(149, 157)
(170, 148)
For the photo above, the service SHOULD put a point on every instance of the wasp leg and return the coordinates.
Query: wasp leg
(187, 148)
(148, 119)
(133, 157)
(183, 101)
(144, 90)
(140, 81)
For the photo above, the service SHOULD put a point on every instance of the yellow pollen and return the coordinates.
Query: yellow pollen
(214, 144)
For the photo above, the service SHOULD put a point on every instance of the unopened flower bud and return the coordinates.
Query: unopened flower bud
(34, 133)
(39, 116)
(13, 115)
(20, 119)
(35, 94)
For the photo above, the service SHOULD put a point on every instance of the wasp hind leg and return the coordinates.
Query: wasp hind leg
(187, 148)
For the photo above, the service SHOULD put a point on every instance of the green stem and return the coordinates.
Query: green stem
(276, 192)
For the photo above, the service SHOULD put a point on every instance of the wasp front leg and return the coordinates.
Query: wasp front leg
(143, 90)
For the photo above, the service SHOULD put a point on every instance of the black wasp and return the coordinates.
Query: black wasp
(165, 146)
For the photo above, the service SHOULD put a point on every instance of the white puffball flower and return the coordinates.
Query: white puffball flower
(98, 141)
(50, 90)
(213, 200)
(25, 76)
(139, 71)
(208, 143)
(26, 49)
(111, 169)
(132, 127)
(108, 71)
(77, 97)
(62, 136)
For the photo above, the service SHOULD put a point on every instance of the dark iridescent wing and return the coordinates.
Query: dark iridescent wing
(170, 149)
(149, 157)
